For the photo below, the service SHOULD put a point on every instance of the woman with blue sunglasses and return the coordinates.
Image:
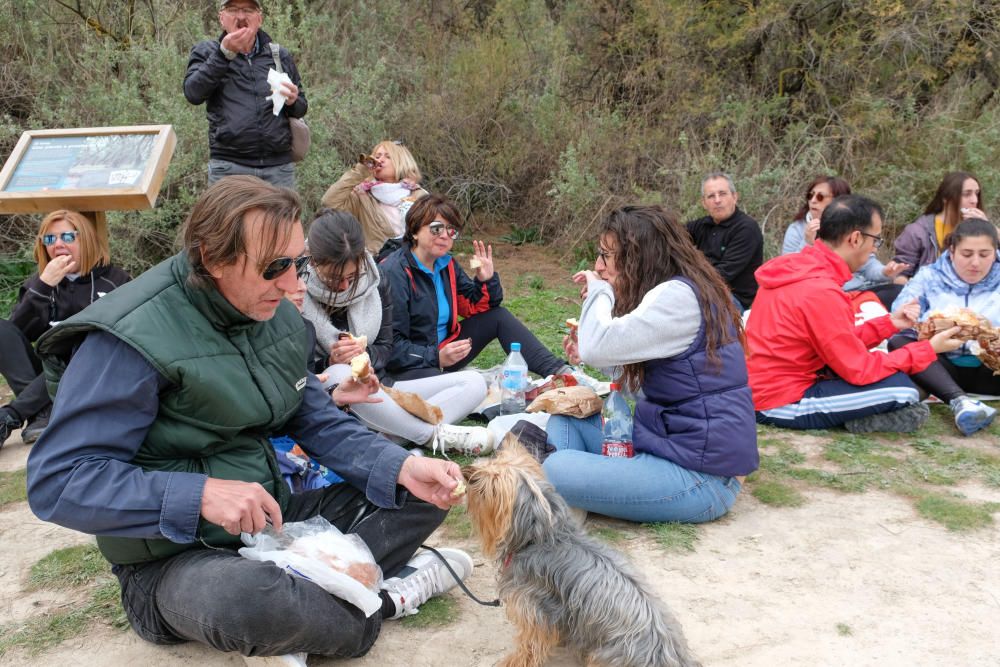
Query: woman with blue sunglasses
(74, 270)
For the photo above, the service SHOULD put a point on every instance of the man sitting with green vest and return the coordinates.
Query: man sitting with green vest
(158, 444)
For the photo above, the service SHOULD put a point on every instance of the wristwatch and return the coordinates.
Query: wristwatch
(226, 52)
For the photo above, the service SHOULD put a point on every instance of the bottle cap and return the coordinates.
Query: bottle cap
(615, 386)
(515, 347)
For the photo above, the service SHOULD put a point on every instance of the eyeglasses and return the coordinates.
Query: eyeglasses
(603, 255)
(330, 276)
(65, 237)
(878, 239)
(245, 11)
(820, 197)
(437, 227)
(278, 266)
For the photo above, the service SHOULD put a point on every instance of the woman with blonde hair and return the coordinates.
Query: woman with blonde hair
(378, 191)
(74, 270)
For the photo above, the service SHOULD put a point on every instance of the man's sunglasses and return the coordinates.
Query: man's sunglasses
(278, 266)
(65, 237)
(438, 227)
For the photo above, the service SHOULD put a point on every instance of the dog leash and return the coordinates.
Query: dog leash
(461, 584)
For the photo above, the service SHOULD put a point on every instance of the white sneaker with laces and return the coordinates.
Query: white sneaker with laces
(287, 660)
(424, 577)
(469, 440)
(971, 415)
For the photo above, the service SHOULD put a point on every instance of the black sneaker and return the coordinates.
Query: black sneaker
(8, 424)
(904, 420)
(35, 426)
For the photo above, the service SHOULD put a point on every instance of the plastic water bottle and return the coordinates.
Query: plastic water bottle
(617, 419)
(513, 382)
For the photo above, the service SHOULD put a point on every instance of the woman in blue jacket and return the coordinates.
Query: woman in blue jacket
(430, 292)
(966, 275)
(660, 317)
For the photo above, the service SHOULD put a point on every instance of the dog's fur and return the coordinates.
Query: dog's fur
(558, 585)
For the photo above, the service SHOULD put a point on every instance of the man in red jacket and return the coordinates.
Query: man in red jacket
(810, 366)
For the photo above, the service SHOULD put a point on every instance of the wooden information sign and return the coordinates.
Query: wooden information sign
(90, 170)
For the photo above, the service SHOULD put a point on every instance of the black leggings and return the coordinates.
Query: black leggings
(496, 324)
(23, 372)
(948, 381)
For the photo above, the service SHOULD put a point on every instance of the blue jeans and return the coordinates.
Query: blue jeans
(831, 402)
(282, 175)
(644, 488)
(219, 598)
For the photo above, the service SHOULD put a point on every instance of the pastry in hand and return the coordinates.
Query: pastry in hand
(361, 367)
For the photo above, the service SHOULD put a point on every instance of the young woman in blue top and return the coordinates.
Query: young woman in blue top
(430, 292)
(660, 317)
(966, 275)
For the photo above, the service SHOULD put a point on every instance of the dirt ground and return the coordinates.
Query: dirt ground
(842, 580)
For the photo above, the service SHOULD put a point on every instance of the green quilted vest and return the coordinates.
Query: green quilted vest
(234, 381)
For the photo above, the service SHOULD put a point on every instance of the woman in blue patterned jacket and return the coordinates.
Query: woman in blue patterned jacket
(966, 275)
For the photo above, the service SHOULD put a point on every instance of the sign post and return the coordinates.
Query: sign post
(89, 170)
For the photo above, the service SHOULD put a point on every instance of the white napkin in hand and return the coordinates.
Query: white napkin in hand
(277, 96)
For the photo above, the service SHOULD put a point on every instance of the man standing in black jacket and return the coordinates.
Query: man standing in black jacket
(229, 75)
(728, 237)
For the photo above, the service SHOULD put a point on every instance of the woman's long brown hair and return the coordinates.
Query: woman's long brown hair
(653, 247)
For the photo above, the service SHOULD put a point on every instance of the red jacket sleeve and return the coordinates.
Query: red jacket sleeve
(830, 327)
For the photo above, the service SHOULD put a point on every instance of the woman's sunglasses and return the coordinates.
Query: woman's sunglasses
(438, 227)
(278, 266)
(65, 237)
(820, 197)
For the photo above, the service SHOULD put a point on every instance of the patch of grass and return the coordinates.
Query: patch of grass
(457, 523)
(844, 630)
(850, 482)
(522, 235)
(436, 612)
(955, 514)
(42, 632)
(775, 493)
(69, 567)
(13, 487)
(674, 536)
(608, 534)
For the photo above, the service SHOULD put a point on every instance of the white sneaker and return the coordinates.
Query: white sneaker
(971, 415)
(287, 660)
(468, 440)
(424, 577)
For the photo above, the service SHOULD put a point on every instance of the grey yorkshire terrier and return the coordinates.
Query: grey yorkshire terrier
(558, 585)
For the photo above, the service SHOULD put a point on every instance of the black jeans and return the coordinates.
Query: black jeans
(496, 324)
(23, 372)
(219, 598)
(948, 381)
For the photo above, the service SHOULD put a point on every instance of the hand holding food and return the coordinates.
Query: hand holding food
(482, 260)
(971, 326)
(57, 269)
(454, 352)
(361, 367)
(347, 347)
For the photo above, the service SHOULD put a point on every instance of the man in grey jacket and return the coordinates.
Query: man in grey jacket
(229, 76)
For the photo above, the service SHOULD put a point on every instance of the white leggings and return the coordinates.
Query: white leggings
(457, 394)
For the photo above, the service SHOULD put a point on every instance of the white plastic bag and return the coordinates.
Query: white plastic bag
(315, 550)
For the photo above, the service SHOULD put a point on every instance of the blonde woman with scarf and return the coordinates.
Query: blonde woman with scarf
(378, 191)
(345, 294)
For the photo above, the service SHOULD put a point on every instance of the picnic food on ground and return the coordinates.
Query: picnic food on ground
(578, 401)
(971, 325)
(415, 405)
(361, 367)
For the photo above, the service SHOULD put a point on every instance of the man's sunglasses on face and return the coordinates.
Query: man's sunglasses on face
(438, 227)
(278, 266)
(65, 237)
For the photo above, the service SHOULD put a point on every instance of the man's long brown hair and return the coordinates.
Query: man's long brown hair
(653, 247)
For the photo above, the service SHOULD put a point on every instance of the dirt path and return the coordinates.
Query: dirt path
(842, 580)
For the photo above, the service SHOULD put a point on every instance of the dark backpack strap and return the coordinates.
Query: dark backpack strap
(276, 54)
